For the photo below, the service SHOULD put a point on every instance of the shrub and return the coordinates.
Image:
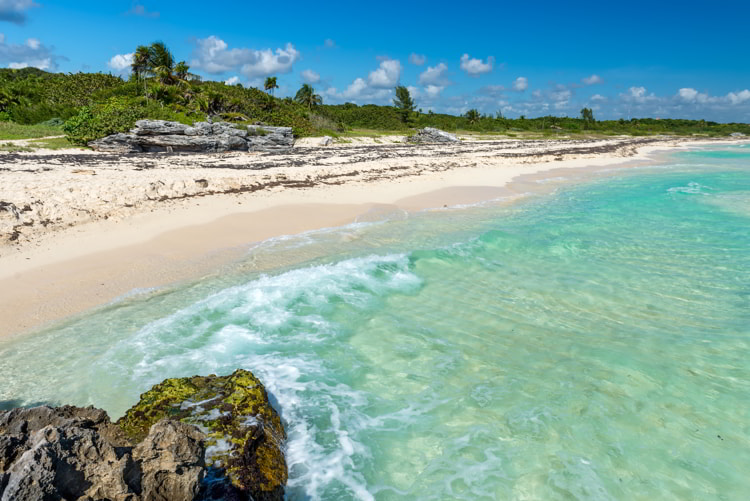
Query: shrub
(94, 122)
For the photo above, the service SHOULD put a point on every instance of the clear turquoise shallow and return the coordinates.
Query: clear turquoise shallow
(589, 344)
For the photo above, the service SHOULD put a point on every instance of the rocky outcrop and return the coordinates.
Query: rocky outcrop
(207, 438)
(75, 453)
(202, 137)
(244, 433)
(430, 135)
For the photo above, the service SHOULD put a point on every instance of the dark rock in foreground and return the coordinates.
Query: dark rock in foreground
(244, 433)
(430, 135)
(75, 453)
(202, 137)
(190, 438)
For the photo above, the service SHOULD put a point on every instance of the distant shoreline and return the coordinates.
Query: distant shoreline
(118, 223)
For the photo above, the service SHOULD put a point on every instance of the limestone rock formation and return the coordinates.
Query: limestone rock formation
(431, 135)
(244, 433)
(206, 137)
(75, 453)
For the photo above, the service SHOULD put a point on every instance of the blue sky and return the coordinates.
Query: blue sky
(660, 59)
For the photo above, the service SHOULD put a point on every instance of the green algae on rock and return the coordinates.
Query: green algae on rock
(244, 433)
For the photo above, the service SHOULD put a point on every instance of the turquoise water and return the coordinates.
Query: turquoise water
(589, 344)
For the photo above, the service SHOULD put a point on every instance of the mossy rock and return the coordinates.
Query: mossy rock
(244, 433)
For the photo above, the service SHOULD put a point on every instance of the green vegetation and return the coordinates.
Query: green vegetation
(34, 103)
(404, 103)
(306, 96)
(10, 130)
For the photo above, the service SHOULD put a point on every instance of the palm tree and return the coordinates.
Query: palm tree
(140, 61)
(161, 62)
(307, 96)
(270, 84)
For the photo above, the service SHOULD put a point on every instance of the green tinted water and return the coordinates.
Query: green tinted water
(591, 344)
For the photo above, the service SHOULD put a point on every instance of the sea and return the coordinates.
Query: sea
(585, 341)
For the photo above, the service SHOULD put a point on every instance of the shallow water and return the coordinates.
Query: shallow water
(590, 344)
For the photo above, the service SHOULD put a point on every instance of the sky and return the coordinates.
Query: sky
(662, 59)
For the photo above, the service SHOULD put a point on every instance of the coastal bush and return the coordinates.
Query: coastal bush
(94, 122)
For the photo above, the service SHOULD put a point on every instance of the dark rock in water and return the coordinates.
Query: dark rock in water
(432, 135)
(203, 137)
(75, 453)
(244, 433)
(208, 438)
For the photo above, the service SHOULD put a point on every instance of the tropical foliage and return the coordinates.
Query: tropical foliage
(306, 96)
(403, 103)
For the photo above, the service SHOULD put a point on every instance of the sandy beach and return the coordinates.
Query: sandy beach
(80, 228)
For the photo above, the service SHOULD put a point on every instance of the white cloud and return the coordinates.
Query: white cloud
(739, 97)
(140, 10)
(309, 76)
(212, 55)
(356, 89)
(232, 80)
(433, 91)
(434, 75)
(521, 84)
(598, 97)
(475, 67)
(121, 62)
(414, 92)
(32, 53)
(14, 11)
(387, 75)
(592, 80)
(329, 43)
(638, 95)
(417, 59)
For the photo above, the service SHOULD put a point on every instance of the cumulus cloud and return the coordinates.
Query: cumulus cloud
(14, 11)
(417, 59)
(598, 97)
(433, 91)
(140, 10)
(32, 53)
(638, 95)
(387, 75)
(213, 55)
(592, 80)
(121, 63)
(475, 67)
(232, 80)
(434, 75)
(521, 84)
(309, 76)
(739, 97)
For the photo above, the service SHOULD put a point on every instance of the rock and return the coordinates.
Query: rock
(737, 134)
(326, 141)
(244, 433)
(75, 453)
(171, 460)
(158, 128)
(117, 143)
(432, 135)
(203, 137)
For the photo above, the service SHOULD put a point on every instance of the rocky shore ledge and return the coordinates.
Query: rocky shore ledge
(198, 438)
(203, 137)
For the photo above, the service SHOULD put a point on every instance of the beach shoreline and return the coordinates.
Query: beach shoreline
(50, 275)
